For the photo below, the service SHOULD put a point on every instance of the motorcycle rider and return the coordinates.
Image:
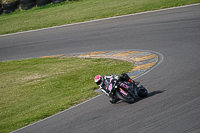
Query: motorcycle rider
(108, 83)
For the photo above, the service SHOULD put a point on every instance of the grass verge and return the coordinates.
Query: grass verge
(33, 89)
(79, 11)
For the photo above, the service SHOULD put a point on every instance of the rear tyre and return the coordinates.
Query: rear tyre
(142, 92)
(128, 98)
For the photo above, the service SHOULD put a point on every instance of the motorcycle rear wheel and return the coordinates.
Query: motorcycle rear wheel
(142, 92)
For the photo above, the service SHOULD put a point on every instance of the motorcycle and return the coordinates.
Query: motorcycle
(127, 92)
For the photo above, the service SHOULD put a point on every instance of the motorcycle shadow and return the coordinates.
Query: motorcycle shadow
(153, 93)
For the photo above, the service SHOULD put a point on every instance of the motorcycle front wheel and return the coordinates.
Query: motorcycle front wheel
(125, 96)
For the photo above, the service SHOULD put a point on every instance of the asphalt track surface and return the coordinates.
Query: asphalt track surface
(174, 88)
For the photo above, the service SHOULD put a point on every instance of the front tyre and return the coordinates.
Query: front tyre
(126, 98)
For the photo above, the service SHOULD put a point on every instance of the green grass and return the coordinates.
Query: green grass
(79, 11)
(33, 89)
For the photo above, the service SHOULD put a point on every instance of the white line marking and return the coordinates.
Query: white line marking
(161, 58)
(99, 20)
(55, 114)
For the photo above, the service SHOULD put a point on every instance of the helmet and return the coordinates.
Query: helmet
(98, 80)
